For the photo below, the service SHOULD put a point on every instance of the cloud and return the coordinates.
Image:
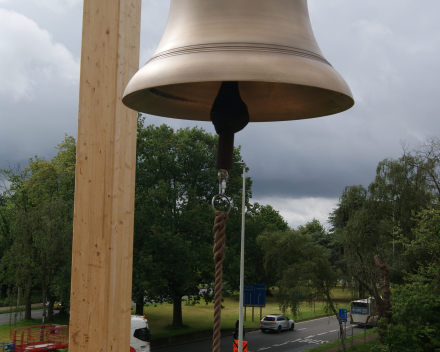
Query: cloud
(59, 5)
(29, 56)
(299, 211)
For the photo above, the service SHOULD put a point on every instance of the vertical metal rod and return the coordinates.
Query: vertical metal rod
(351, 337)
(240, 318)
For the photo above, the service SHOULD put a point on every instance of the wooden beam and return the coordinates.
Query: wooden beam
(102, 255)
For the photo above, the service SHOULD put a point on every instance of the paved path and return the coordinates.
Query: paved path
(7, 318)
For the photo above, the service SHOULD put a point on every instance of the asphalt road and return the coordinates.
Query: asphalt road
(306, 335)
(5, 318)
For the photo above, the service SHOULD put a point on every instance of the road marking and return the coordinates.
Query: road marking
(334, 330)
(309, 336)
(316, 342)
(306, 340)
(281, 344)
(301, 329)
(322, 333)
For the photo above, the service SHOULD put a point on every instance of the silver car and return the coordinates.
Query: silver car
(276, 322)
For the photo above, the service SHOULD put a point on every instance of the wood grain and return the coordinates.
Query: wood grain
(105, 178)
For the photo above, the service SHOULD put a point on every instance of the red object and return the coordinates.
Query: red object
(47, 337)
(132, 349)
(245, 346)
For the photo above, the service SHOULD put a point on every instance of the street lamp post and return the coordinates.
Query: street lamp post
(243, 205)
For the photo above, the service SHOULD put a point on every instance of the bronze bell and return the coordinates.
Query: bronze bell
(267, 46)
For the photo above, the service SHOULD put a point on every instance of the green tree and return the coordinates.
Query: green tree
(303, 267)
(175, 182)
(415, 307)
(39, 203)
(366, 221)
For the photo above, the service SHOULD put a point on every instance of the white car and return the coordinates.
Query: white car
(139, 334)
(276, 322)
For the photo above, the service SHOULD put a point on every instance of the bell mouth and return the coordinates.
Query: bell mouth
(266, 101)
(274, 87)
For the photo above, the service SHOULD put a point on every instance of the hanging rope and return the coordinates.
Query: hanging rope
(219, 231)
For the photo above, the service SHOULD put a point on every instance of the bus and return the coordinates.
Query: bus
(364, 312)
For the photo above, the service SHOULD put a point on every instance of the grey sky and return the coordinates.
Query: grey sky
(388, 52)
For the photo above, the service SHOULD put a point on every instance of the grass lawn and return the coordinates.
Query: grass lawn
(200, 316)
(368, 346)
(4, 329)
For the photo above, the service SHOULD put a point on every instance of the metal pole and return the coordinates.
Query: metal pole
(240, 318)
(352, 337)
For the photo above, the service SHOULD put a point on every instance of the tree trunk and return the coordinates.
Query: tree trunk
(384, 304)
(177, 311)
(140, 304)
(336, 313)
(50, 309)
(43, 321)
(27, 306)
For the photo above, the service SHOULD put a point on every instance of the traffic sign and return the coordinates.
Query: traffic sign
(254, 296)
(343, 315)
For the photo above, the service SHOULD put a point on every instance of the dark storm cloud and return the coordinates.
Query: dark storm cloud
(388, 52)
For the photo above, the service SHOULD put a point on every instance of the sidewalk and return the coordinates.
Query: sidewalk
(356, 342)
(6, 309)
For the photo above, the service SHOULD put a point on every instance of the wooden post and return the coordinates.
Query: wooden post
(102, 255)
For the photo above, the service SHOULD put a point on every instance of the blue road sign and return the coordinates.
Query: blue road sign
(254, 296)
(343, 315)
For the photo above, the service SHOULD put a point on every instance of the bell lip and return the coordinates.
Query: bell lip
(197, 113)
(259, 68)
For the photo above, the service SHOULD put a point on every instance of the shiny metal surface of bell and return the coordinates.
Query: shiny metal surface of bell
(267, 46)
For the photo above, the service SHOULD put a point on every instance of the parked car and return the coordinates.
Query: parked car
(56, 305)
(139, 334)
(276, 322)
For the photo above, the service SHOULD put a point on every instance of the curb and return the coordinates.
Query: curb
(6, 309)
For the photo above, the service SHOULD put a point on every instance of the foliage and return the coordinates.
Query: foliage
(258, 219)
(37, 214)
(416, 303)
(175, 182)
(303, 267)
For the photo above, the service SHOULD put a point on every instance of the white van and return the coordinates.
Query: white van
(364, 312)
(139, 334)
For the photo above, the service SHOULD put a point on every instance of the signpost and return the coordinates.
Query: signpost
(343, 315)
(254, 296)
(314, 300)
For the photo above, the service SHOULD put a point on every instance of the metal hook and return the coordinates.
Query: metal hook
(222, 178)
(220, 196)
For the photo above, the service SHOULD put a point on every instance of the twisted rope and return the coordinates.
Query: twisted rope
(219, 256)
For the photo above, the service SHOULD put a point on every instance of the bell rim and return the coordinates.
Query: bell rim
(251, 67)
(274, 117)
